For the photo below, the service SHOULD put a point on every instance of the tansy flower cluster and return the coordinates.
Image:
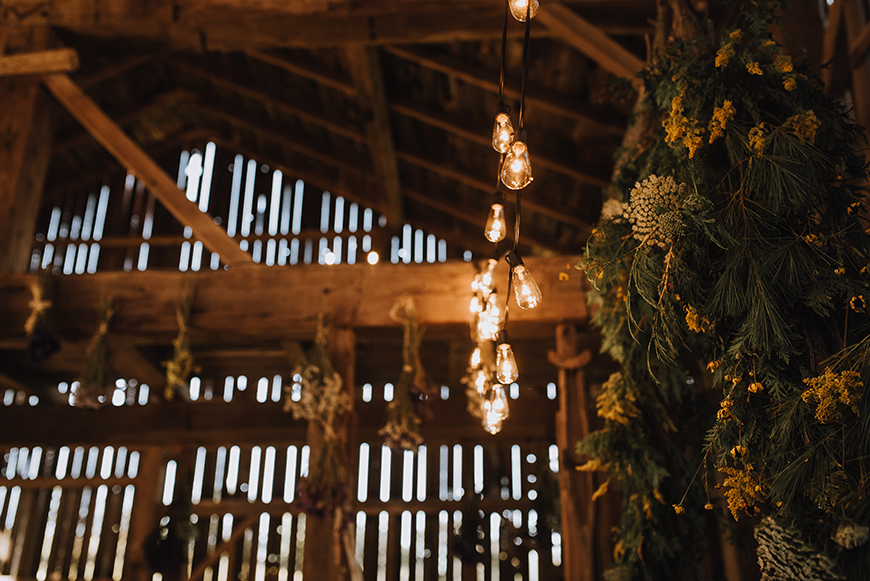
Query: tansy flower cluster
(721, 116)
(804, 126)
(651, 202)
(682, 129)
(831, 393)
(744, 490)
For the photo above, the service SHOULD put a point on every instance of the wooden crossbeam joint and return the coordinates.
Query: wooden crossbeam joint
(59, 60)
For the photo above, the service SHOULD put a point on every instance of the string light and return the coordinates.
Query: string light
(505, 363)
(487, 276)
(496, 226)
(474, 362)
(516, 171)
(526, 290)
(522, 9)
(502, 132)
(497, 402)
(492, 422)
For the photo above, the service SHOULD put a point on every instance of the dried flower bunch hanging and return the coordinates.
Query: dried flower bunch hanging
(402, 430)
(322, 401)
(97, 381)
(39, 326)
(179, 368)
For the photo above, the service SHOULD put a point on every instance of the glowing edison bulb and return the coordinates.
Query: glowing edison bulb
(474, 362)
(505, 364)
(519, 8)
(496, 228)
(475, 307)
(497, 402)
(475, 284)
(489, 321)
(487, 276)
(502, 133)
(526, 290)
(480, 382)
(491, 422)
(516, 172)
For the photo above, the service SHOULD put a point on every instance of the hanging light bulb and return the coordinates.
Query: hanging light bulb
(497, 402)
(476, 306)
(505, 363)
(516, 171)
(491, 422)
(480, 381)
(487, 276)
(521, 8)
(475, 284)
(526, 290)
(474, 362)
(496, 226)
(502, 133)
(489, 321)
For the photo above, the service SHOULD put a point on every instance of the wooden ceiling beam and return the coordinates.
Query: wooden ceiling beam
(131, 156)
(482, 137)
(365, 68)
(110, 71)
(550, 100)
(247, 123)
(563, 215)
(59, 60)
(590, 40)
(279, 104)
(324, 77)
(241, 305)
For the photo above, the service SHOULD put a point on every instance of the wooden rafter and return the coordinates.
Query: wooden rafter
(444, 122)
(59, 60)
(550, 100)
(111, 71)
(278, 103)
(365, 68)
(274, 304)
(578, 32)
(131, 156)
(563, 215)
(327, 78)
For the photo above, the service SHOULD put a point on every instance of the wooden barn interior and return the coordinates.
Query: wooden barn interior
(271, 151)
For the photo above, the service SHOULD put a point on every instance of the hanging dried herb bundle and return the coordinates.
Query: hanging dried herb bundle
(97, 381)
(321, 400)
(39, 327)
(402, 430)
(179, 368)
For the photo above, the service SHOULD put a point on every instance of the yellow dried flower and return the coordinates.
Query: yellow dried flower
(857, 303)
(563, 276)
(811, 238)
(708, 506)
(694, 320)
(721, 116)
(602, 490)
(739, 451)
(863, 270)
(680, 128)
(737, 35)
(679, 509)
(713, 366)
(615, 402)
(724, 54)
(840, 271)
(757, 138)
(832, 392)
(789, 83)
(755, 387)
(593, 465)
(853, 207)
(768, 43)
(745, 490)
(804, 125)
(783, 63)
(753, 68)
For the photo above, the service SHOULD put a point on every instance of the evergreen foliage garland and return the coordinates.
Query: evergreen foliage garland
(736, 271)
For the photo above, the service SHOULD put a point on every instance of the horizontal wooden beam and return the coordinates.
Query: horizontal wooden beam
(271, 304)
(213, 424)
(59, 60)
(550, 100)
(137, 161)
(328, 78)
(590, 40)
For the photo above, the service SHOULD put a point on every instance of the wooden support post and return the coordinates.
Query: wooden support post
(365, 67)
(579, 513)
(25, 148)
(325, 558)
(143, 519)
(146, 169)
(829, 42)
(854, 20)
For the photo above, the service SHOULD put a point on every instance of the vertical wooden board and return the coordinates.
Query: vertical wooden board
(370, 548)
(431, 568)
(145, 512)
(66, 531)
(109, 535)
(394, 546)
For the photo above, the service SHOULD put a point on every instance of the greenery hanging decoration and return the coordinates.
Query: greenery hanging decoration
(321, 399)
(731, 267)
(402, 429)
(97, 380)
(39, 326)
(179, 368)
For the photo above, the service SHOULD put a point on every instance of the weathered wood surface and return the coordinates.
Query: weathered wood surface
(263, 304)
(146, 169)
(61, 60)
(215, 424)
